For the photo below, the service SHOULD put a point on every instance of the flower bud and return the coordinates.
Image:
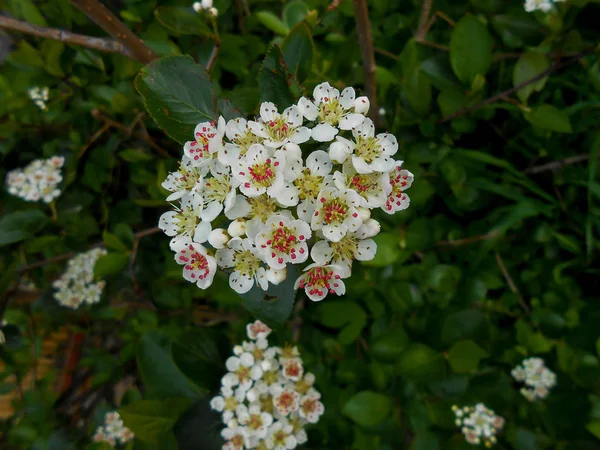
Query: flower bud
(213, 12)
(369, 228)
(276, 276)
(362, 105)
(218, 238)
(339, 152)
(237, 228)
(363, 213)
(197, 6)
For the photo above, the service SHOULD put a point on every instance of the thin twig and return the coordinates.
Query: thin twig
(558, 164)
(514, 89)
(334, 4)
(104, 45)
(423, 27)
(213, 56)
(110, 23)
(45, 262)
(446, 18)
(386, 53)
(365, 40)
(434, 45)
(511, 284)
(469, 240)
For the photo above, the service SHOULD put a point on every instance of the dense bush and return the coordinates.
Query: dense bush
(495, 108)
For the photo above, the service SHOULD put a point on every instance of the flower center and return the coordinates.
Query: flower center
(189, 177)
(195, 261)
(308, 184)
(283, 240)
(262, 207)
(238, 441)
(217, 188)
(270, 377)
(334, 211)
(330, 111)
(285, 400)
(302, 387)
(199, 147)
(296, 422)
(278, 129)
(280, 438)
(289, 351)
(243, 373)
(361, 183)
(230, 403)
(319, 279)
(187, 221)
(245, 140)
(255, 422)
(368, 149)
(266, 404)
(262, 174)
(345, 249)
(309, 406)
(292, 368)
(258, 354)
(247, 264)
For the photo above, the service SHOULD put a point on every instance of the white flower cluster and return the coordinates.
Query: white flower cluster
(285, 203)
(538, 379)
(113, 431)
(542, 5)
(38, 181)
(478, 423)
(266, 398)
(39, 96)
(76, 286)
(206, 5)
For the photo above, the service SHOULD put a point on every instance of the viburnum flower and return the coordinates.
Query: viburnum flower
(332, 110)
(478, 423)
(335, 213)
(208, 140)
(343, 252)
(318, 280)
(538, 379)
(368, 153)
(198, 266)
(283, 241)
(278, 129)
(399, 181)
(243, 257)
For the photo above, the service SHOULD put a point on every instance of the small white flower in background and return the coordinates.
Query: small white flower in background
(271, 410)
(538, 379)
(39, 96)
(76, 286)
(542, 5)
(275, 198)
(381, 111)
(478, 424)
(205, 5)
(37, 181)
(113, 431)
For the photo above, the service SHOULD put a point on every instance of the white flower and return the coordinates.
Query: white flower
(310, 407)
(478, 423)
(77, 286)
(362, 105)
(286, 400)
(227, 402)
(292, 368)
(237, 228)
(369, 153)
(283, 241)
(244, 369)
(373, 187)
(319, 280)
(335, 213)
(276, 276)
(235, 437)
(342, 253)
(538, 379)
(37, 181)
(241, 137)
(280, 436)
(399, 181)
(184, 223)
(256, 422)
(278, 129)
(113, 430)
(198, 266)
(40, 97)
(218, 193)
(218, 238)
(187, 180)
(332, 110)
(257, 330)
(208, 141)
(542, 5)
(243, 257)
(381, 111)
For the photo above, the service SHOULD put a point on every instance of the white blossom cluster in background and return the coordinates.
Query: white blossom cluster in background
(288, 191)
(39, 96)
(478, 424)
(266, 397)
(207, 6)
(113, 431)
(538, 379)
(542, 5)
(76, 286)
(37, 181)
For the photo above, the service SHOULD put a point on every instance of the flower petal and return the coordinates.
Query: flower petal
(324, 132)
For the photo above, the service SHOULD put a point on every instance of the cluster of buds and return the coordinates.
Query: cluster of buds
(266, 398)
(281, 203)
(538, 379)
(206, 6)
(113, 431)
(37, 181)
(541, 5)
(39, 96)
(478, 424)
(76, 286)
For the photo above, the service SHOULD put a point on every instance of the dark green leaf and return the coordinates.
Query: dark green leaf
(110, 264)
(21, 225)
(298, 49)
(529, 65)
(464, 356)
(368, 408)
(274, 79)
(196, 355)
(181, 20)
(294, 13)
(200, 424)
(389, 346)
(272, 22)
(419, 362)
(549, 117)
(470, 49)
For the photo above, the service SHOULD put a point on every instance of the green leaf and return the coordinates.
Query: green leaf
(294, 13)
(388, 250)
(470, 49)
(113, 242)
(534, 341)
(275, 305)
(178, 95)
(21, 225)
(344, 314)
(530, 65)
(272, 22)
(594, 428)
(110, 264)
(162, 378)
(549, 117)
(367, 408)
(196, 355)
(274, 79)
(181, 20)
(298, 49)
(152, 420)
(200, 423)
(389, 346)
(464, 356)
(419, 362)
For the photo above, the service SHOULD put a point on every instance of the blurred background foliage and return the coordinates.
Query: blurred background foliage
(495, 260)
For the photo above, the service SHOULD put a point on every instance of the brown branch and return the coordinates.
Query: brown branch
(213, 56)
(386, 53)
(98, 13)
(558, 164)
(45, 262)
(445, 18)
(508, 92)
(511, 283)
(363, 28)
(334, 4)
(423, 28)
(104, 45)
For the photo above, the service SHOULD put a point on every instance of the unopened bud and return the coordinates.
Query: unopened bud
(369, 228)
(362, 105)
(276, 276)
(197, 6)
(363, 213)
(339, 152)
(237, 228)
(218, 238)
(213, 12)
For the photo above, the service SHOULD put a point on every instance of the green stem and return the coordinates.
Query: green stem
(54, 212)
